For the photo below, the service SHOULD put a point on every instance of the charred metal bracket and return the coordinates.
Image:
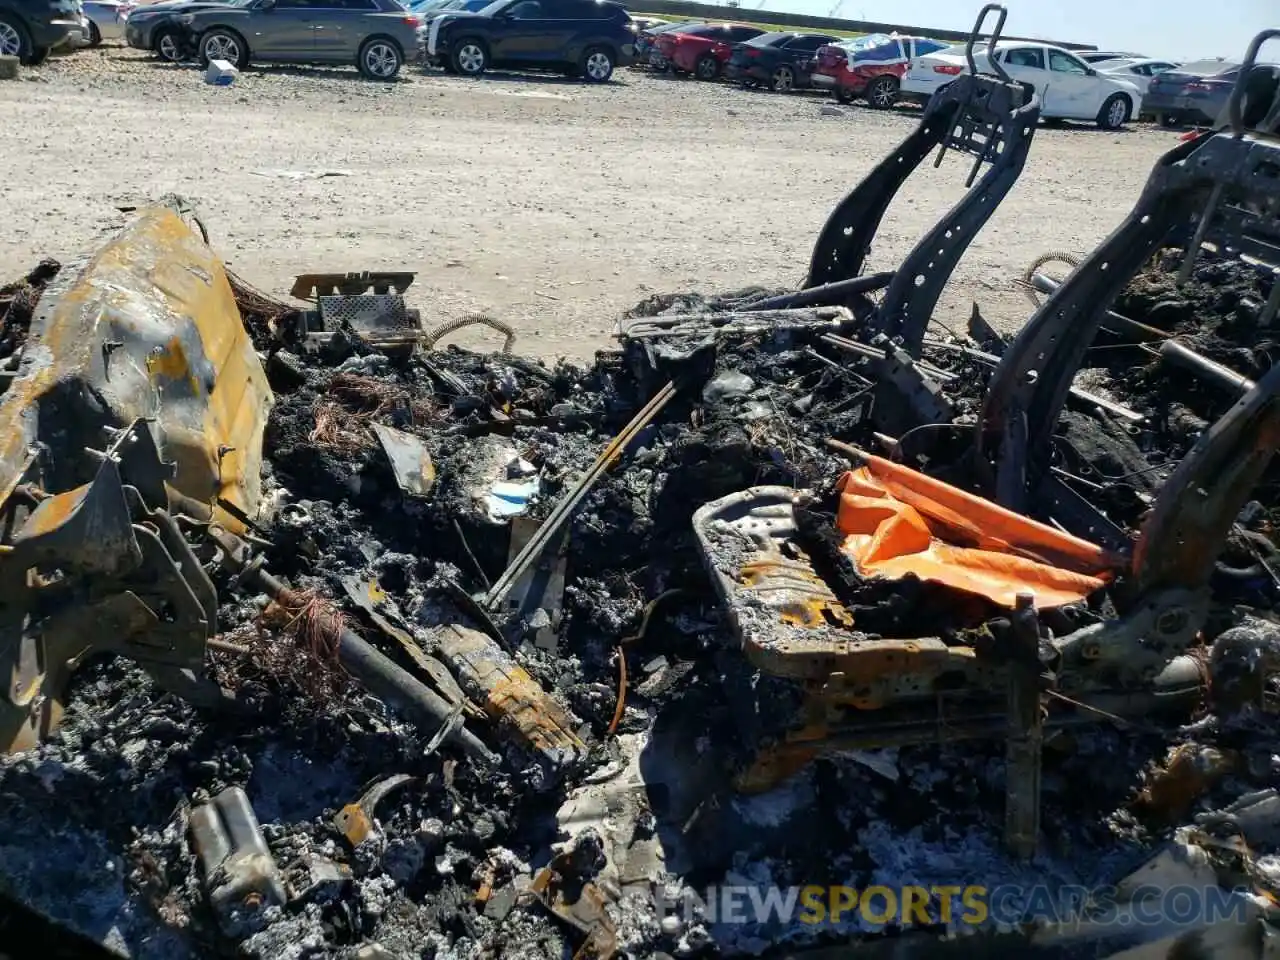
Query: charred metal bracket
(240, 874)
(1174, 557)
(792, 625)
(357, 821)
(1231, 181)
(988, 117)
(312, 286)
(99, 569)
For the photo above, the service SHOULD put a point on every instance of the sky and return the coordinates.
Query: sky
(1174, 29)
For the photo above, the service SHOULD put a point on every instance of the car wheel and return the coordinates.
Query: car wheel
(469, 58)
(843, 95)
(882, 92)
(13, 39)
(596, 65)
(168, 46)
(783, 80)
(37, 56)
(1114, 113)
(707, 67)
(95, 35)
(220, 44)
(379, 59)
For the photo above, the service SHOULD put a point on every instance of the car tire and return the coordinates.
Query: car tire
(783, 80)
(14, 41)
(882, 92)
(167, 45)
(470, 57)
(95, 35)
(379, 59)
(37, 56)
(1114, 112)
(596, 65)
(707, 67)
(223, 44)
(843, 95)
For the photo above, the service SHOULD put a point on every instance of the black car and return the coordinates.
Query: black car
(780, 61)
(587, 38)
(158, 27)
(29, 29)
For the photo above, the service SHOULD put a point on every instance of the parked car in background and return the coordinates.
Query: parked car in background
(874, 69)
(1069, 88)
(439, 9)
(1194, 93)
(1097, 56)
(647, 51)
(704, 49)
(106, 19)
(586, 38)
(30, 29)
(376, 36)
(781, 61)
(641, 24)
(1138, 72)
(831, 56)
(158, 27)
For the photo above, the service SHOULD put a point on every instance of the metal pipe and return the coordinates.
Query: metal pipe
(874, 353)
(384, 678)
(1183, 356)
(1133, 328)
(829, 294)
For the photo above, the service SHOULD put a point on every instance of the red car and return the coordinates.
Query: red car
(703, 49)
(870, 67)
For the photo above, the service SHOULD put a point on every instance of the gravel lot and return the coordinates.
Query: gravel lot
(551, 204)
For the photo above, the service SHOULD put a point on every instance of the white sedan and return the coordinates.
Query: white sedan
(1138, 72)
(106, 19)
(1069, 88)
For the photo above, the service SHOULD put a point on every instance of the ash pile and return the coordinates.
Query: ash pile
(465, 654)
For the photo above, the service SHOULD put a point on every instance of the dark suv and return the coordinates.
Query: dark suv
(29, 29)
(586, 38)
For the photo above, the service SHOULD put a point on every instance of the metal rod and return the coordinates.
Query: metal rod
(1133, 328)
(1183, 356)
(826, 295)
(574, 496)
(1026, 734)
(873, 353)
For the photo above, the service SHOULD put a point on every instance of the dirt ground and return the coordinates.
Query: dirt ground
(547, 203)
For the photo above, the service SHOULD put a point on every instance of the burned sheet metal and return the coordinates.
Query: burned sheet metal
(581, 905)
(242, 878)
(409, 458)
(138, 397)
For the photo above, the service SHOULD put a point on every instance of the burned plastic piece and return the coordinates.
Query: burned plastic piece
(513, 698)
(989, 117)
(1238, 174)
(581, 905)
(357, 821)
(410, 460)
(240, 874)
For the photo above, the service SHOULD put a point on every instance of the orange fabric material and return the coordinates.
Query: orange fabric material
(898, 522)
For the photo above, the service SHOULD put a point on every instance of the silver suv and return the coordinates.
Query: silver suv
(376, 35)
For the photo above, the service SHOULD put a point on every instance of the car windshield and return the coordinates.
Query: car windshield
(1117, 64)
(770, 39)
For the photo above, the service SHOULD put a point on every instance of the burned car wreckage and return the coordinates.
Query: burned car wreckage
(423, 652)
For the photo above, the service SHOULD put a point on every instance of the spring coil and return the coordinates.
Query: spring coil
(1056, 256)
(430, 338)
